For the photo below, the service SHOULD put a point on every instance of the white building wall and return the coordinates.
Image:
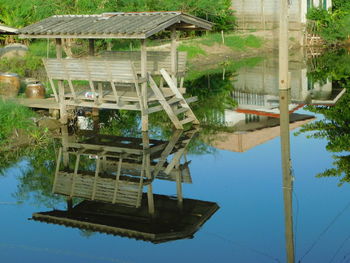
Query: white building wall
(264, 14)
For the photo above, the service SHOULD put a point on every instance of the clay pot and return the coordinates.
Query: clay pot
(9, 85)
(35, 91)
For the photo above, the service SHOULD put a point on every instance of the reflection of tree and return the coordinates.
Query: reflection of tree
(333, 65)
(342, 168)
(35, 182)
(214, 97)
(120, 122)
(335, 126)
(86, 233)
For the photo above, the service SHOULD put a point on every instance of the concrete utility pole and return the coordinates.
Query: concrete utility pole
(284, 89)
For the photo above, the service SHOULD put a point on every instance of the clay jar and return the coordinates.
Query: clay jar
(9, 85)
(35, 91)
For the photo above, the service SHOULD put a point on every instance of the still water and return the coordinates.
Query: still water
(213, 194)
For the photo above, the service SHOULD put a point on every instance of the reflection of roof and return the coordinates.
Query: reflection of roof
(245, 140)
(6, 30)
(112, 25)
(168, 224)
(275, 113)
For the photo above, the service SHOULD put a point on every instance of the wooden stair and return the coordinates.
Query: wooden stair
(175, 106)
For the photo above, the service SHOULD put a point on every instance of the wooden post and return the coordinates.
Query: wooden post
(173, 53)
(63, 108)
(144, 97)
(91, 47)
(109, 46)
(146, 162)
(95, 111)
(69, 201)
(179, 186)
(65, 140)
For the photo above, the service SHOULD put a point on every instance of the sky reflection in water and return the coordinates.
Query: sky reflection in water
(247, 186)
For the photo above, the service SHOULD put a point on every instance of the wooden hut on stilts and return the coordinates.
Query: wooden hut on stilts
(119, 80)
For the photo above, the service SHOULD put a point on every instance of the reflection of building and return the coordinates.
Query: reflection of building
(256, 91)
(110, 173)
(248, 135)
(256, 117)
(257, 88)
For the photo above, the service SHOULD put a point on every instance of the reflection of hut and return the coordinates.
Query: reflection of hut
(119, 80)
(115, 169)
(108, 208)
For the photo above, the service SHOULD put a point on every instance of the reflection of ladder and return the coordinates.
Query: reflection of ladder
(176, 146)
(175, 106)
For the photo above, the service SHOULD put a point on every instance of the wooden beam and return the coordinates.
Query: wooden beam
(173, 53)
(63, 108)
(144, 97)
(92, 36)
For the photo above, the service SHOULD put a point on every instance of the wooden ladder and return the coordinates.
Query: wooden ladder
(174, 106)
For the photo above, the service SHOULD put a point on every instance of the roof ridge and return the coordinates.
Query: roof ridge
(94, 15)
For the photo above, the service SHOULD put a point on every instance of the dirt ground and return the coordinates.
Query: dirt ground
(218, 53)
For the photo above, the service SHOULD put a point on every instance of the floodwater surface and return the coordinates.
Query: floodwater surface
(233, 190)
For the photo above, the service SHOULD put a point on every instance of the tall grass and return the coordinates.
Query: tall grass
(16, 124)
(14, 116)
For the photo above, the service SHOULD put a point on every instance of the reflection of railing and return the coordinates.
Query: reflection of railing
(249, 98)
(122, 166)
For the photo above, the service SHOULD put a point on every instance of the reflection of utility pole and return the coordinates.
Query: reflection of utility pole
(287, 176)
(284, 87)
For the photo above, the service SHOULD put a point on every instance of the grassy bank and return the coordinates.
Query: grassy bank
(235, 42)
(17, 128)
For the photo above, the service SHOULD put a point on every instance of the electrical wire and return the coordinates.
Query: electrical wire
(324, 231)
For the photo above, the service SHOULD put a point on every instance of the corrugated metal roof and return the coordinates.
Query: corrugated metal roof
(6, 30)
(112, 25)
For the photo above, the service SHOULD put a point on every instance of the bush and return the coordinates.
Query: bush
(332, 26)
(25, 12)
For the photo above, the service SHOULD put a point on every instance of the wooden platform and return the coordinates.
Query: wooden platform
(49, 103)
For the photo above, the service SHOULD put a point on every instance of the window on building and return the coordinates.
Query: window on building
(309, 4)
(310, 84)
(325, 4)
